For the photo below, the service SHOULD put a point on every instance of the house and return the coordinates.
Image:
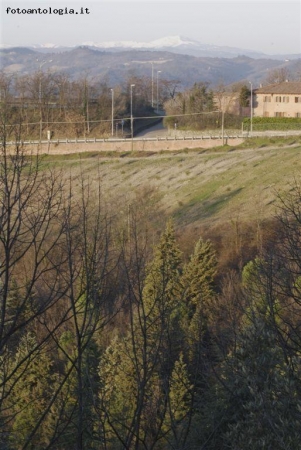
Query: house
(278, 100)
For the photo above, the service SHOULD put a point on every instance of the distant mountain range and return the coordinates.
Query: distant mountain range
(174, 44)
(115, 65)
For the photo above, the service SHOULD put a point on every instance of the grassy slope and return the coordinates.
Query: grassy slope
(199, 187)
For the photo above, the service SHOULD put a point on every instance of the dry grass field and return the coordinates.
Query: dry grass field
(196, 187)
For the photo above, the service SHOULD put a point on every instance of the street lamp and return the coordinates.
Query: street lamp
(158, 71)
(132, 131)
(40, 80)
(112, 91)
(152, 84)
(251, 106)
(40, 92)
(40, 77)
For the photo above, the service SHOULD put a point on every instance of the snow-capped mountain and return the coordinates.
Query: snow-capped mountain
(47, 46)
(174, 44)
(169, 41)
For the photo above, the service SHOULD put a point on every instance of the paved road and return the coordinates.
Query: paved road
(157, 130)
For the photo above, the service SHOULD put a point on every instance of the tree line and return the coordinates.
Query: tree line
(54, 102)
(79, 107)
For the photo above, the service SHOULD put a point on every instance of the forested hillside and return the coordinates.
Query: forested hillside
(121, 330)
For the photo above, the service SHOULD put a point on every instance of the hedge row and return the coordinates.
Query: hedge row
(273, 123)
(203, 122)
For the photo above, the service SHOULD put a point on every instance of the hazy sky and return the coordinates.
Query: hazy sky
(269, 26)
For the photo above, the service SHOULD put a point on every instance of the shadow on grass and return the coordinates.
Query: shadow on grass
(198, 209)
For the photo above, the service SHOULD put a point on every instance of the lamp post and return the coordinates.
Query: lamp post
(158, 71)
(152, 84)
(251, 108)
(40, 92)
(40, 81)
(40, 77)
(87, 106)
(112, 91)
(132, 120)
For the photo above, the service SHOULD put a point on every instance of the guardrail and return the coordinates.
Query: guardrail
(155, 139)
(87, 141)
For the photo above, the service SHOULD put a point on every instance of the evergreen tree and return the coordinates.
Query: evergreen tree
(66, 407)
(32, 384)
(199, 349)
(198, 294)
(265, 400)
(137, 369)
(162, 300)
(258, 404)
(198, 278)
(244, 96)
(179, 406)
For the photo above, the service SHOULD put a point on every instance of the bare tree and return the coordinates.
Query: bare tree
(30, 205)
(278, 76)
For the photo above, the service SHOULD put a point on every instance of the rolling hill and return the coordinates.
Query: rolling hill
(117, 66)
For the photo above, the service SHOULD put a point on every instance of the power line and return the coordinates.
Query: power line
(115, 120)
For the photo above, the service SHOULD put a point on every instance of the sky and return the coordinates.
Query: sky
(270, 26)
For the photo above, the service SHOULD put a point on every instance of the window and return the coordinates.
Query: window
(267, 98)
(298, 115)
(285, 99)
(279, 114)
(297, 99)
(266, 114)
